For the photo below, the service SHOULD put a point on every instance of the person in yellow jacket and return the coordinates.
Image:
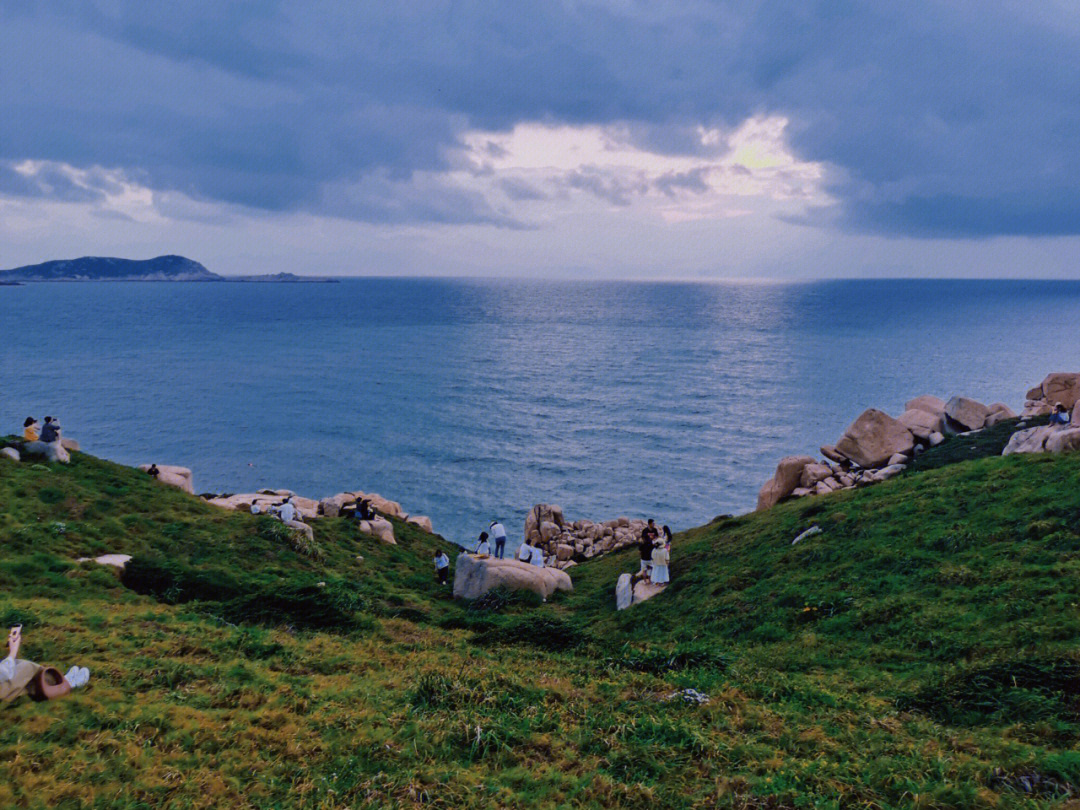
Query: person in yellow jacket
(30, 429)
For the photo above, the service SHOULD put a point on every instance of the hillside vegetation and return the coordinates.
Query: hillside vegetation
(919, 651)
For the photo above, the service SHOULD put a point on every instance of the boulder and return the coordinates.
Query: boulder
(999, 412)
(10, 452)
(114, 560)
(1061, 387)
(922, 423)
(331, 507)
(645, 590)
(888, 472)
(830, 452)
(928, 403)
(564, 552)
(379, 527)
(1074, 419)
(966, 414)
(934, 439)
(179, 477)
(1034, 393)
(873, 438)
(1031, 440)
(549, 530)
(473, 577)
(69, 444)
(821, 488)
(423, 522)
(624, 592)
(297, 526)
(801, 492)
(1036, 407)
(812, 473)
(52, 451)
(391, 508)
(784, 481)
(899, 458)
(1063, 441)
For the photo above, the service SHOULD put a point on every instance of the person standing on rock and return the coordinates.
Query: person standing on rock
(498, 532)
(483, 547)
(442, 567)
(660, 558)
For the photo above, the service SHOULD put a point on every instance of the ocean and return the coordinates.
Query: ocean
(468, 400)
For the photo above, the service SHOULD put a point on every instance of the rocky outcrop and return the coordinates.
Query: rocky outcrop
(52, 451)
(928, 403)
(1063, 440)
(922, 424)
(1031, 440)
(422, 521)
(1060, 386)
(873, 437)
(999, 412)
(787, 477)
(332, 506)
(565, 542)
(965, 414)
(474, 576)
(379, 527)
(179, 477)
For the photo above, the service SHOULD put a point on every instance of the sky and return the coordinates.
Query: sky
(616, 139)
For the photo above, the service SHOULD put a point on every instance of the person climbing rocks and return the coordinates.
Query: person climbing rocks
(442, 567)
(21, 677)
(498, 532)
(483, 547)
(30, 429)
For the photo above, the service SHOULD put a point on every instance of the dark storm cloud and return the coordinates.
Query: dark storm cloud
(956, 118)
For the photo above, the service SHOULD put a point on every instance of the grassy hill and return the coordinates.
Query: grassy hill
(920, 651)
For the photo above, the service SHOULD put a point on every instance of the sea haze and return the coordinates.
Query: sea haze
(467, 400)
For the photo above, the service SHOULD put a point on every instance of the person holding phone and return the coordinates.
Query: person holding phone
(21, 677)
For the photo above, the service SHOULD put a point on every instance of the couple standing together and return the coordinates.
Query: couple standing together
(498, 534)
(655, 548)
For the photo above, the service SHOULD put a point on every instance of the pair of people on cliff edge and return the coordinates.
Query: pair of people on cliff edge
(49, 433)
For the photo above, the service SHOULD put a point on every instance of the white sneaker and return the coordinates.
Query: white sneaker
(72, 675)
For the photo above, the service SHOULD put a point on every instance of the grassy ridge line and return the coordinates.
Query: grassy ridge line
(959, 580)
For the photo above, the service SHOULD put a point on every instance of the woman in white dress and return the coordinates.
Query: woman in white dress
(660, 559)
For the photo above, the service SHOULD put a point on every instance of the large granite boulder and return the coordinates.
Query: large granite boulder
(381, 528)
(179, 477)
(1032, 440)
(331, 507)
(1036, 407)
(421, 521)
(624, 592)
(387, 507)
(784, 481)
(966, 414)
(1061, 387)
(922, 423)
(475, 576)
(52, 451)
(928, 403)
(873, 438)
(999, 412)
(1063, 440)
(812, 473)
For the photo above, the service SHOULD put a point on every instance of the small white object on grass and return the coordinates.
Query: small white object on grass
(808, 533)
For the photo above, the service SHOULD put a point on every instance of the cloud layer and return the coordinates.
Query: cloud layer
(928, 119)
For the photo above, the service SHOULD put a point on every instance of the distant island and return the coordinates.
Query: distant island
(162, 268)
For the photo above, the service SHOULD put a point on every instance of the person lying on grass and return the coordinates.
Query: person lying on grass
(21, 677)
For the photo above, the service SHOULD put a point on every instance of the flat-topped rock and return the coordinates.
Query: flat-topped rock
(965, 413)
(179, 477)
(474, 576)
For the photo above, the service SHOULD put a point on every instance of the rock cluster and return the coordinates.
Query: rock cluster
(311, 509)
(474, 576)
(1060, 386)
(565, 543)
(876, 447)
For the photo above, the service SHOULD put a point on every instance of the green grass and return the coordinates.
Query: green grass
(920, 651)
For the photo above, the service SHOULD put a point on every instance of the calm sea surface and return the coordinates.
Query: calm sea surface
(467, 400)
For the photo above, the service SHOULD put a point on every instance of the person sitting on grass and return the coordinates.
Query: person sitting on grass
(21, 677)
(1060, 416)
(30, 430)
(442, 567)
(660, 558)
(483, 547)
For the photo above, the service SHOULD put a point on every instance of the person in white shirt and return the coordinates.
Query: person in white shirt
(525, 552)
(287, 511)
(442, 567)
(498, 533)
(537, 558)
(483, 547)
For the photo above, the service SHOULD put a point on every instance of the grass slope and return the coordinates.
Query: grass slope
(920, 651)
